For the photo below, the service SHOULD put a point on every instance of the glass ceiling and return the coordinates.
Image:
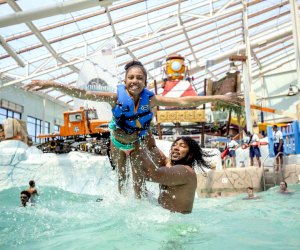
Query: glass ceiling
(39, 42)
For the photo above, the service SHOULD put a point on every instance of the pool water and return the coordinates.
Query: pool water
(66, 220)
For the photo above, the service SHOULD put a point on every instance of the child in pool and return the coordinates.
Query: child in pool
(131, 107)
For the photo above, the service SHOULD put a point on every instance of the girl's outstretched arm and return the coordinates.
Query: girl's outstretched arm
(108, 97)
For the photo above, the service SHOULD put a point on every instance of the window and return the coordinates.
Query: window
(34, 128)
(75, 117)
(56, 128)
(6, 113)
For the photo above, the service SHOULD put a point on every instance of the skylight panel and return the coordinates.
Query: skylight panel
(6, 10)
(149, 49)
(151, 57)
(36, 3)
(13, 29)
(130, 22)
(178, 50)
(2, 51)
(29, 55)
(93, 22)
(6, 62)
(23, 43)
(164, 11)
(126, 11)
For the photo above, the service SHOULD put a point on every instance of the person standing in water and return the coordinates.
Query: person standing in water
(132, 113)
(33, 191)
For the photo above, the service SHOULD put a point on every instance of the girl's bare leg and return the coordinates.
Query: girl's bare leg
(138, 177)
(119, 160)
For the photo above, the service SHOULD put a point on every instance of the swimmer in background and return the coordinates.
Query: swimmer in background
(251, 195)
(283, 188)
(132, 114)
(33, 191)
(25, 196)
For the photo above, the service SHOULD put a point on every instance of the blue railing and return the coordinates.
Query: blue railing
(291, 138)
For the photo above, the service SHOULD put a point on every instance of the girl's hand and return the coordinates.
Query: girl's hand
(36, 85)
(232, 98)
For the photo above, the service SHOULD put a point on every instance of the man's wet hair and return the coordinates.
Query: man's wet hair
(31, 183)
(136, 64)
(26, 193)
(196, 154)
(251, 188)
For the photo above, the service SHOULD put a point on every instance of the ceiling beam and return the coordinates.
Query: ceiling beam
(51, 10)
(101, 26)
(11, 52)
(73, 20)
(254, 44)
(39, 36)
(119, 40)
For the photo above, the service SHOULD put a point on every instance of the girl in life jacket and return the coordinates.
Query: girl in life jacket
(131, 107)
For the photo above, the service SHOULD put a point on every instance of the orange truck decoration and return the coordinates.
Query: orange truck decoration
(81, 130)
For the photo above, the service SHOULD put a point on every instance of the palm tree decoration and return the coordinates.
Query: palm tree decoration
(238, 110)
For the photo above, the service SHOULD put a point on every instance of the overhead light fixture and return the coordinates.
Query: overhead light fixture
(232, 68)
(291, 90)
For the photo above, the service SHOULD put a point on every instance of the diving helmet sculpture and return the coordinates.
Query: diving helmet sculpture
(176, 80)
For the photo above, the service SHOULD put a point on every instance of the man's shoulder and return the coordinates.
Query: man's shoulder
(182, 167)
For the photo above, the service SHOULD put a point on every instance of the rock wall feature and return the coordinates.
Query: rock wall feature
(229, 181)
(291, 173)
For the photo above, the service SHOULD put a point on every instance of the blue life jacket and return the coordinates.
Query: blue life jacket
(124, 115)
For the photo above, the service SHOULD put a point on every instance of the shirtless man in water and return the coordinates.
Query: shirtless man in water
(178, 178)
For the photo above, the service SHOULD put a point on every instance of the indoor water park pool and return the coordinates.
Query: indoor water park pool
(65, 220)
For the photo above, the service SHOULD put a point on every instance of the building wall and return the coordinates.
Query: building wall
(34, 105)
(274, 88)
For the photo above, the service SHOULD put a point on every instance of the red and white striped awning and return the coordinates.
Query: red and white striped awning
(178, 88)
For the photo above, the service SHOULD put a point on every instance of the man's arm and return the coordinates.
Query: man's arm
(156, 154)
(173, 176)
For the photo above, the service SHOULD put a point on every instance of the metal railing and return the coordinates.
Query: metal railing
(274, 164)
(263, 171)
